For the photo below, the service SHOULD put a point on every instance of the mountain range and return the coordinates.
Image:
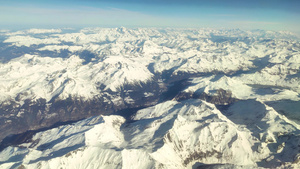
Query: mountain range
(149, 98)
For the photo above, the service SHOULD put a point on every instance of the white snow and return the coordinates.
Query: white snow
(242, 87)
(35, 31)
(256, 66)
(57, 48)
(26, 40)
(45, 77)
(177, 135)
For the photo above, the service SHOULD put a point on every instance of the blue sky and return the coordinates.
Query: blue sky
(244, 14)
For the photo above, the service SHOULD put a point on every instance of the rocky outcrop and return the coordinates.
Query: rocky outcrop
(221, 97)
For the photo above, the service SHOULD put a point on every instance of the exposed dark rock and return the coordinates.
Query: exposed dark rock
(201, 155)
(183, 96)
(215, 166)
(222, 97)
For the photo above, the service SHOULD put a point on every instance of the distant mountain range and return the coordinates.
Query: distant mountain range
(149, 98)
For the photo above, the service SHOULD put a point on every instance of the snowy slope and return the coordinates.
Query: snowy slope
(168, 135)
(133, 56)
(245, 88)
(222, 98)
(32, 76)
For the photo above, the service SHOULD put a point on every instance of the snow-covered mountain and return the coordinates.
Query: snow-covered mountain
(172, 134)
(180, 98)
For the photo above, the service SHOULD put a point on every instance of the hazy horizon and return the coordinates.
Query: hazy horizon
(266, 14)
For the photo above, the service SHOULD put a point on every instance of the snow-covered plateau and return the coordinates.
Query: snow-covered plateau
(149, 98)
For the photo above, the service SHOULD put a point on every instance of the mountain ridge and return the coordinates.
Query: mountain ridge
(148, 84)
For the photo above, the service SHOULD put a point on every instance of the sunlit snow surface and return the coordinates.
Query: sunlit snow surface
(132, 56)
(258, 127)
(169, 135)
